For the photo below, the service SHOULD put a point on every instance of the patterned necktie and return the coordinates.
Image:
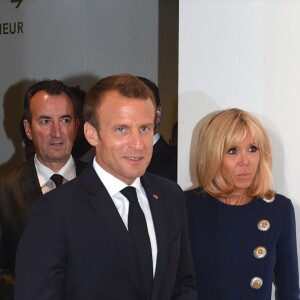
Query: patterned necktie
(58, 179)
(138, 231)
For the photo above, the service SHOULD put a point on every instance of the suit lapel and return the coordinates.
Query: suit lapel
(158, 146)
(158, 211)
(29, 183)
(103, 204)
(80, 165)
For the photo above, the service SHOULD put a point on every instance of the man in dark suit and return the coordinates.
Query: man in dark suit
(164, 157)
(50, 122)
(91, 240)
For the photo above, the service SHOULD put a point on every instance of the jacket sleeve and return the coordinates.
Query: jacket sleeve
(286, 268)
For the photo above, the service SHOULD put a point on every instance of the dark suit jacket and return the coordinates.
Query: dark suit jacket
(76, 245)
(164, 160)
(18, 190)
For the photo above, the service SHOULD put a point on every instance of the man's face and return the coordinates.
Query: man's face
(125, 137)
(52, 129)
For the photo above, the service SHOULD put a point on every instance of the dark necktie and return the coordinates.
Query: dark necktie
(58, 179)
(137, 228)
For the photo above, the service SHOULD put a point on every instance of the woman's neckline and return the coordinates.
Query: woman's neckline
(236, 202)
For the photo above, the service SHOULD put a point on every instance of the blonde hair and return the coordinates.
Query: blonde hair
(219, 131)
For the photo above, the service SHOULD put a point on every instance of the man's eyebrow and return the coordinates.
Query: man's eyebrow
(66, 116)
(44, 117)
(148, 124)
(60, 117)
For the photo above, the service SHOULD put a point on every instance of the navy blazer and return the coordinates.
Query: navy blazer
(76, 245)
(234, 246)
(18, 190)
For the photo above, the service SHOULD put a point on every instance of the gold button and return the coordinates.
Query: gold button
(260, 252)
(263, 225)
(256, 283)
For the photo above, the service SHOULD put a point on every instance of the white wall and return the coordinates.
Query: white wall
(242, 54)
(77, 41)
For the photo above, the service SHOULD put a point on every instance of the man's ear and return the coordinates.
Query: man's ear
(77, 123)
(157, 119)
(158, 114)
(91, 134)
(27, 128)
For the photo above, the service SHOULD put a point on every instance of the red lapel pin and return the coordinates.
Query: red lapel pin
(155, 196)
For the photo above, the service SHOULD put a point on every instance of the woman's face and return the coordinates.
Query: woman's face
(240, 163)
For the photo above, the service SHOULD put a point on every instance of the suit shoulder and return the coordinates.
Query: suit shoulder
(80, 165)
(68, 189)
(13, 176)
(197, 198)
(282, 199)
(161, 181)
(73, 190)
(194, 194)
(283, 204)
(170, 150)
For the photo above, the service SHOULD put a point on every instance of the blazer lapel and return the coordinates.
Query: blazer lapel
(158, 211)
(80, 165)
(103, 204)
(29, 183)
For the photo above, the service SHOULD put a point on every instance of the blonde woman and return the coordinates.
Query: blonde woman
(242, 232)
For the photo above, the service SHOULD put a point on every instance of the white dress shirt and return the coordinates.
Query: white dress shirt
(114, 186)
(68, 171)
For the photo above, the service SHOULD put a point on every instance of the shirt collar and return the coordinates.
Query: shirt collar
(113, 184)
(156, 138)
(68, 171)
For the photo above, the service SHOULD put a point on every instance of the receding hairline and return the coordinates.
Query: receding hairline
(102, 96)
(62, 94)
(124, 85)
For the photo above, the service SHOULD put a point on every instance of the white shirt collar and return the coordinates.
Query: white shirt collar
(111, 183)
(156, 138)
(68, 171)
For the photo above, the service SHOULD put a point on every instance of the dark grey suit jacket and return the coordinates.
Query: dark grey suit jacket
(18, 190)
(76, 245)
